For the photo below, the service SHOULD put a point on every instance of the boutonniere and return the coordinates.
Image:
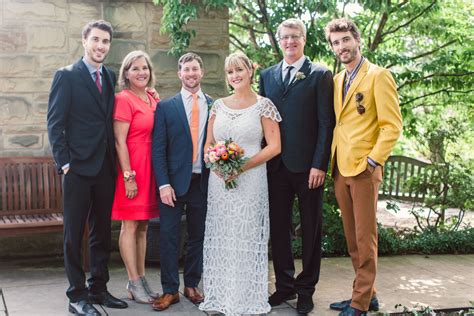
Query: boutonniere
(300, 76)
(360, 108)
(210, 105)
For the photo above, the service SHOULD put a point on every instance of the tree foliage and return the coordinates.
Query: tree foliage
(427, 44)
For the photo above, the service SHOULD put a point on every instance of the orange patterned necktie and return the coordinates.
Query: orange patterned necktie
(194, 125)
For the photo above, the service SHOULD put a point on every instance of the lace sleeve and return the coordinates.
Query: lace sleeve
(213, 108)
(269, 110)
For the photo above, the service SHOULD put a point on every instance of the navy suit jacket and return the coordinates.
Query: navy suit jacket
(172, 148)
(80, 125)
(307, 111)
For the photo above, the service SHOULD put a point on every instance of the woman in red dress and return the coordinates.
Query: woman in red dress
(135, 199)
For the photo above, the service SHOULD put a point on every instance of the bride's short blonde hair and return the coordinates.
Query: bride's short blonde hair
(239, 60)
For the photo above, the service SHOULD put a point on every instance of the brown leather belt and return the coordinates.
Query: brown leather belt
(195, 176)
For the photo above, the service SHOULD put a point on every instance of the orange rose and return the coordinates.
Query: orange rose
(234, 147)
(225, 156)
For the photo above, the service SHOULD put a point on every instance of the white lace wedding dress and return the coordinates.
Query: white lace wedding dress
(235, 276)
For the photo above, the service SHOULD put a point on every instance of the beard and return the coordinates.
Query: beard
(191, 84)
(99, 61)
(92, 56)
(350, 58)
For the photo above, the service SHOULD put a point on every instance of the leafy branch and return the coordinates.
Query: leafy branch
(247, 27)
(176, 16)
(445, 90)
(409, 82)
(422, 12)
(428, 53)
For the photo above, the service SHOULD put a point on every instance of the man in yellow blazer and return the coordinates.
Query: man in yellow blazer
(368, 124)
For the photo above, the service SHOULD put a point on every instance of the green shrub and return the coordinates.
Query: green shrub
(392, 242)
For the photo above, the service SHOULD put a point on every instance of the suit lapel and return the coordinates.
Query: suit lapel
(87, 79)
(305, 69)
(364, 68)
(338, 88)
(179, 106)
(277, 76)
(109, 89)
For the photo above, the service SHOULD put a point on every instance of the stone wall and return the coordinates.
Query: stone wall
(39, 36)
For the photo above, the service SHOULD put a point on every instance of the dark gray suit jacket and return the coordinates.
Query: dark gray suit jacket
(80, 124)
(307, 111)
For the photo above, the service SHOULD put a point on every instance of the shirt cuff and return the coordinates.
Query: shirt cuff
(164, 186)
(65, 166)
(372, 162)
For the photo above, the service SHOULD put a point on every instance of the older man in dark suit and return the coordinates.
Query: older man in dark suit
(303, 94)
(80, 131)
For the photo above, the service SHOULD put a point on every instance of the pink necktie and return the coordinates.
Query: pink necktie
(97, 81)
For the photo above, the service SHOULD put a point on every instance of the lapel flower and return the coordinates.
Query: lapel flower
(209, 101)
(299, 76)
(360, 108)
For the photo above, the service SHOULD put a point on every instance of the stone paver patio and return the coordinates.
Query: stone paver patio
(36, 286)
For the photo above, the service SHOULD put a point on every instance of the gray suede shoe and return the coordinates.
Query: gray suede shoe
(137, 292)
(148, 289)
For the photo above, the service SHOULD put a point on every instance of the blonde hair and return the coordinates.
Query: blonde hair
(238, 60)
(292, 24)
(127, 62)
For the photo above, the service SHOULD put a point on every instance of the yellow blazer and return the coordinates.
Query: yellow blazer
(371, 134)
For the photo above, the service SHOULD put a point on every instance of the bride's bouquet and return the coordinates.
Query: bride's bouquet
(226, 158)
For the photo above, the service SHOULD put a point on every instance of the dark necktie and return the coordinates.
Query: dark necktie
(286, 82)
(97, 81)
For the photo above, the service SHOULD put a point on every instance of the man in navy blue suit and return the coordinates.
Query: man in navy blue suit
(181, 176)
(303, 93)
(80, 131)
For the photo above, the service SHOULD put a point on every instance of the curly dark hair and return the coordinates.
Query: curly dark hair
(341, 25)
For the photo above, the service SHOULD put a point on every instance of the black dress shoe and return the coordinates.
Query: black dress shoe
(106, 299)
(305, 304)
(279, 297)
(83, 308)
(351, 311)
(339, 306)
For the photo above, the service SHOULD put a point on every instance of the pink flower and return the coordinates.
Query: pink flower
(213, 157)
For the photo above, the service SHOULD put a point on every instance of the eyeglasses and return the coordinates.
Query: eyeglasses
(291, 36)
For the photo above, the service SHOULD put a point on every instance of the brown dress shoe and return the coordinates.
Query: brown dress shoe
(165, 300)
(193, 294)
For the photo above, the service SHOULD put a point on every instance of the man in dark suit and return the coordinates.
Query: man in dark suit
(80, 131)
(181, 175)
(303, 93)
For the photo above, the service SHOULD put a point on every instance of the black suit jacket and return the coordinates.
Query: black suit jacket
(80, 119)
(306, 108)
(172, 148)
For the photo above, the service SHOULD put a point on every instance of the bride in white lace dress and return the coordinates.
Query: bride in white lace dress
(235, 276)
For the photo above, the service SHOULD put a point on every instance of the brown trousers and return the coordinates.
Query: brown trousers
(357, 199)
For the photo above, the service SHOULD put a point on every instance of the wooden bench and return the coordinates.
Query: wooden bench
(31, 199)
(397, 171)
